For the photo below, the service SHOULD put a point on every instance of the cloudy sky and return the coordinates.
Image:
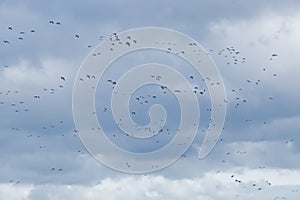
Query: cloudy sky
(255, 45)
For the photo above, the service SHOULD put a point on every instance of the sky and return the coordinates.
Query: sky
(255, 46)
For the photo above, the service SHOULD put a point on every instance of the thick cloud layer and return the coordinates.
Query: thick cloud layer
(255, 44)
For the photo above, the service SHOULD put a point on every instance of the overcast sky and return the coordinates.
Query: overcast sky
(255, 45)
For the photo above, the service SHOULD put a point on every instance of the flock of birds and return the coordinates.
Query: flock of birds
(231, 55)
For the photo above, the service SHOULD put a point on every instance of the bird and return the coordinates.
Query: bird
(62, 78)
(76, 36)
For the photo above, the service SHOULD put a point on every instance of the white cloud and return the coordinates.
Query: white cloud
(258, 38)
(47, 72)
(15, 192)
(212, 186)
